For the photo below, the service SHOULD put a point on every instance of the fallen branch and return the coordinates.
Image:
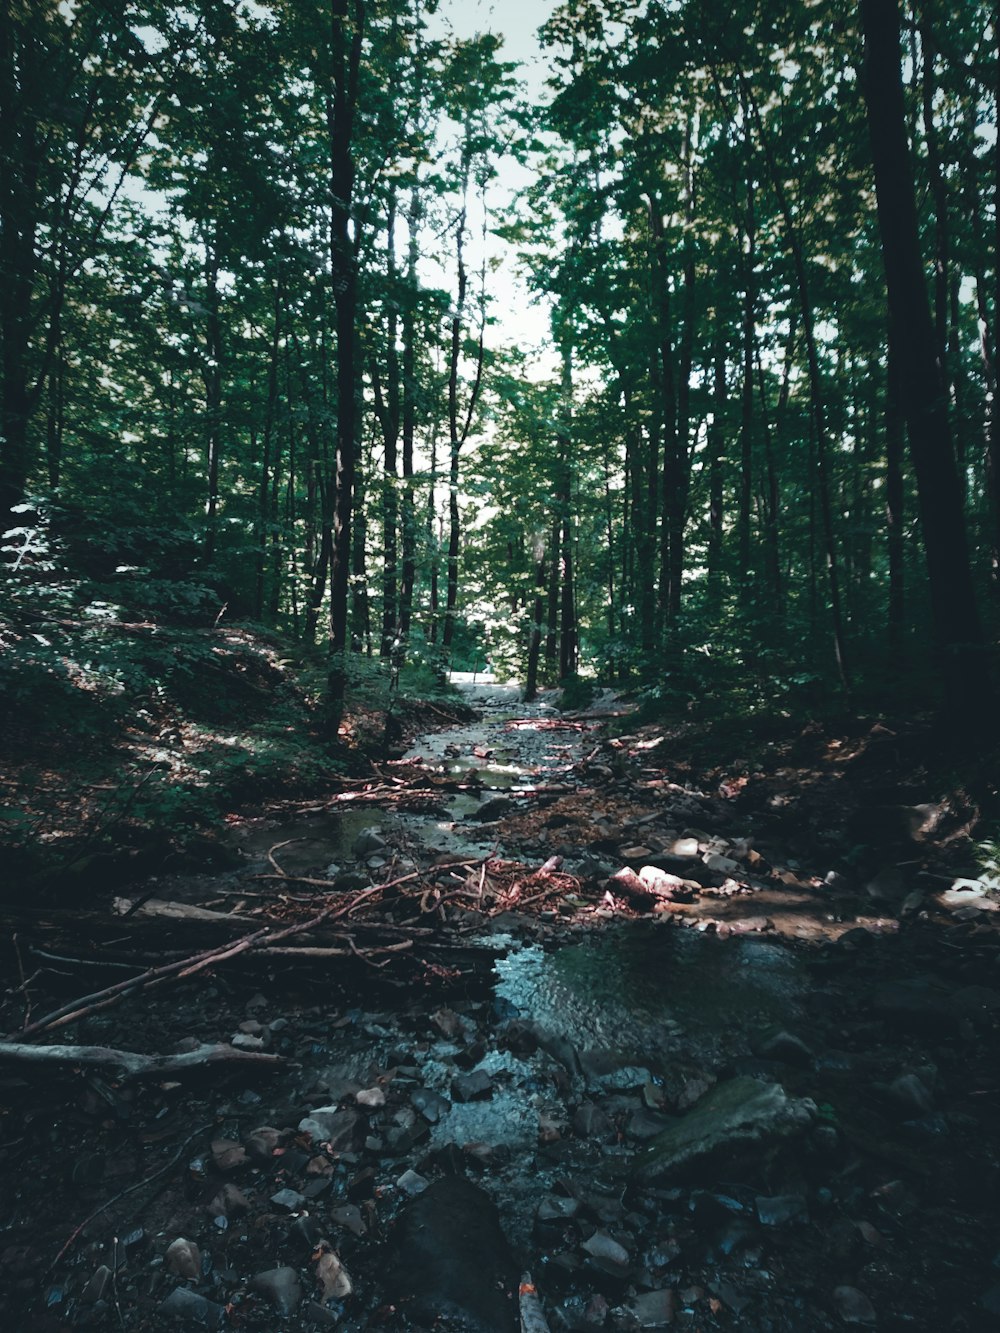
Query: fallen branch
(131, 1063)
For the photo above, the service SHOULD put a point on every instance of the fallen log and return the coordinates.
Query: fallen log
(131, 1063)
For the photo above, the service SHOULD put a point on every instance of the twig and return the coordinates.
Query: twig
(24, 985)
(132, 1063)
(130, 1189)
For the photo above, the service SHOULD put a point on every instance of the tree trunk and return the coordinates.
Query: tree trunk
(956, 618)
(212, 375)
(341, 104)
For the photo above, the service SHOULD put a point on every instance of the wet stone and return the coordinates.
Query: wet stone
(282, 1288)
(590, 1122)
(288, 1201)
(229, 1202)
(348, 1216)
(471, 1087)
(451, 1261)
(654, 1309)
(853, 1306)
(183, 1258)
(431, 1105)
(228, 1155)
(734, 1115)
(191, 1310)
(412, 1183)
(784, 1046)
(782, 1208)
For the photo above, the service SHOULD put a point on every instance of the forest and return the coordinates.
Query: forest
(254, 366)
(499, 593)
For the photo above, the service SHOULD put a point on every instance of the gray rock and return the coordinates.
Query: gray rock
(246, 1041)
(654, 1309)
(590, 1122)
(779, 1044)
(282, 1287)
(183, 1258)
(606, 1251)
(645, 1125)
(911, 1095)
(431, 1105)
(471, 1087)
(451, 1264)
(782, 1208)
(289, 1201)
(735, 1114)
(329, 1124)
(97, 1286)
(493, 809)
(853, 1306)
(229, 1202)
(369, 842)
(192, 1310)
(412, 1183)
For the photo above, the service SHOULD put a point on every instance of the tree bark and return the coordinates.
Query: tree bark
(956, 618)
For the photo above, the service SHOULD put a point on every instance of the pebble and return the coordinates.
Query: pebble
(289, 1201)
(282, 1287)
(775, 1212)
(412, 1183)
(243, 1041)
(229, 1202)
(471, 1087)
(191, 1308)
(329, 1124)
(97, 1286)
(228, 1155)
(372, 1098)
(654, 1309)
(183, 1258)
(333, 1277)
(590, 1122)
(431, 1105)
(606, 1250)
(853, 1306)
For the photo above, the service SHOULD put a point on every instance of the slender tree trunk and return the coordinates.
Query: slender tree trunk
(341, 104)
(715, 464)
(894, 501)
(953, 601)
(212, 375)
(409, 424)
(389, 416)
(535, 639)
(672, 474)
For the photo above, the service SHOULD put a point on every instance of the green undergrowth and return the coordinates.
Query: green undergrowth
(134, 717)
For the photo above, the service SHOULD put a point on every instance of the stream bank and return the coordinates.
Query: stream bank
(680, 1076)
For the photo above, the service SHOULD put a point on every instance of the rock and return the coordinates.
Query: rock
(911, 1096)
(183, 1258)
(644, 1125)
(919, 1004)
(780, 1044)
(661, 882)
(775, 1212)
(991, 1300)
(471, 1087)
(412, 1183)
(189, 1308)
(369, 842)
(244, 1041)
(970, 893)
(590, 1122)
(97, 1286)
(552, 1218)
(493, 809)
(371, 1098)
(431, 1105)
(853, 1306)
(261, 1143)
(654, 1309)
(329, 1124)
(636, 853)
(451, 1261)
(333, 1277)
(229, 1202)
(723, 865)
(288, 1201)
(735, 1114)
(687, 849)
(348, 1216)
(607, 1253)
(228, 1155)
(282, 1288)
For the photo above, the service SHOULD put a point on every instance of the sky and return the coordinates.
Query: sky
(518, 321)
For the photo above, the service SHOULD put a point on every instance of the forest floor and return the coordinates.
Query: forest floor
(692, 1044)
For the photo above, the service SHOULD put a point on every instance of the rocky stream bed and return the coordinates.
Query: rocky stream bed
(555, 1038)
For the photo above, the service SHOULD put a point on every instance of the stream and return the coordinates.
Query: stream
(632, 1109)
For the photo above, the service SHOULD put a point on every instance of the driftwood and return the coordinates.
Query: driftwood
(171, 911)
(132, 1063)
